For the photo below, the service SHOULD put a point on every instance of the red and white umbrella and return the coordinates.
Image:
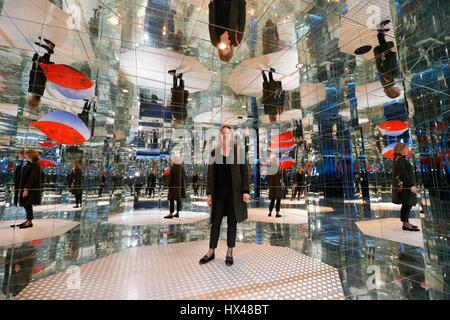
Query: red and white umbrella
(67, 77)
(63, 127)
(46, 162)
(393, 128)
(388, 151)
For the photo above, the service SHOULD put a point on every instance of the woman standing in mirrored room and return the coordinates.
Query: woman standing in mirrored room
(404, 191)
(228, 192)
(74, 180)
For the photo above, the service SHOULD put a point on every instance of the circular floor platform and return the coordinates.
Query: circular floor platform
(260, 272)
(42, 229)
(155, 217)
(288, 216)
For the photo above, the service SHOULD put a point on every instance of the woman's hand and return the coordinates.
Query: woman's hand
(414, 189)
(209, 201)
(246, 197)
(25, 193)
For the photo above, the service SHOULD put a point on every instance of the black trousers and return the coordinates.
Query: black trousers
(404, 213)
(196, 191)
(223, 204)
(278, 206)
(172, 205)
(78, 198)
(29, 211)
(150, 191)
(298, 189)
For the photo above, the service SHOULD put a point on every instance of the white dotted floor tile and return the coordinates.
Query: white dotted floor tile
(155, 216)
(200, 203)
(47, 208)
(391, 229)
(172, 272)
(319, 209)
(42, 229)
(288, 216)
(388, 206)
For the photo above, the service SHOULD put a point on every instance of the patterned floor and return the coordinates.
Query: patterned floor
(319, 209)
(42, 228)
(288, 216)
(172, 272)
(391, 229)
(155, 216)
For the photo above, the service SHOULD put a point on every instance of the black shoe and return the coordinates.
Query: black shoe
(413, 226)
(410, 229)
(207, 259)
(24, 226)
(384, 23)
(170, 216)
(48, 42)
(278, 215)
(270, 214)
(272, 70)
(45, 47)
(18, 225)
(176, 215)
(76, 206)
(383, 30)
(229, 261)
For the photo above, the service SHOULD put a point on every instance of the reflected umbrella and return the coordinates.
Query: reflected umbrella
(75, 94)
(63, 127)
(67, 77)
(393, 128)
(46, 162)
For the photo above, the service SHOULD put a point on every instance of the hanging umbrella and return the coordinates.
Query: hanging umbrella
(388, 151)
(66, 76)
(282, 137)
(63, 127)
(46, 162)
(47, 144)
(393, 128)
(282, 146)
(75, 94)
(286, 162)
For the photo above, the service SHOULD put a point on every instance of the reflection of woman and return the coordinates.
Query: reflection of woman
(30, 192)
(228, 191)
(226, 26)
(20, 260)
(177, 187)
(403, 189)
(277, 183)
(38, 80)
(18, 173)
(75, 180)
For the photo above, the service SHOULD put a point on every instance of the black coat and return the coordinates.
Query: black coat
(195, 181)
(24, 256)
(18, 173)
(176, 183)
(402, 181)
(273, 95)
(270, 38)
(151, 180)
(38, 80)
(240, 183)
(386, 62)
(31, 180)
(75, 180)
(277, 185)
(236, 22)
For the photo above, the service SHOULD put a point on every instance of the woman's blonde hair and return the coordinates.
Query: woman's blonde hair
(399, 148)
(226, 55)
(33, 154)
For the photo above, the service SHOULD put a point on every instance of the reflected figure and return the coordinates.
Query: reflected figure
(277, 189)
(177, 187)
(195, 182)
(19, 263)
(386, 61)
(38, 80)
(18, 175)
(226, 26)
(102, 184)
(273, 96)
(151, 183)
(412, 275)
(403, 189)
(299, 183)
(30, 188)
(179, 100)
(270, 38)
(228, 192)
(74, 181)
